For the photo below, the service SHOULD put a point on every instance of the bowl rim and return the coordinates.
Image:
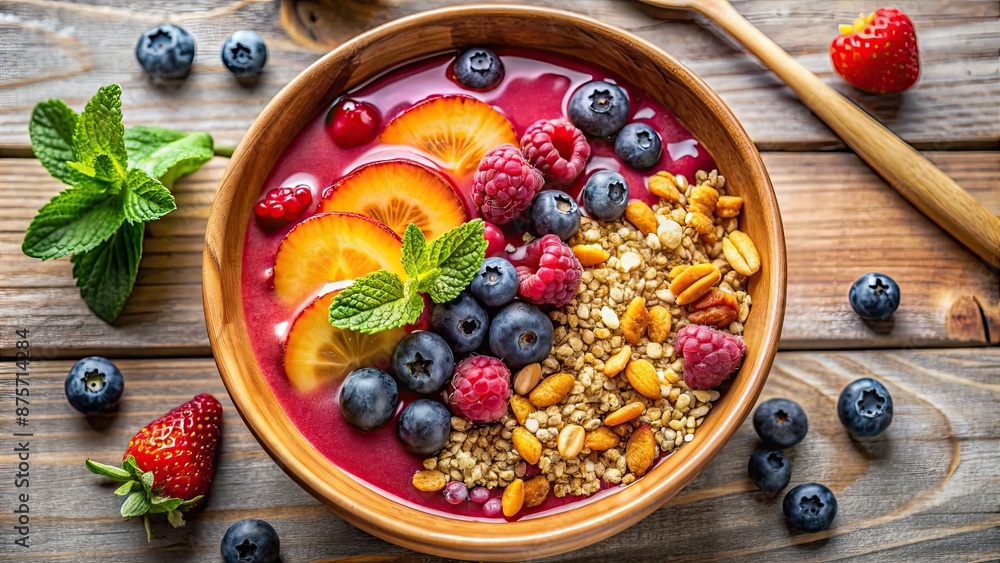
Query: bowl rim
(521, 539)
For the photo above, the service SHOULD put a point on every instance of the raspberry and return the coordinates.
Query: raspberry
(549, 273)
(504, 184)
(282, 206)
(557, 148)
(710, 355)
(480, 389)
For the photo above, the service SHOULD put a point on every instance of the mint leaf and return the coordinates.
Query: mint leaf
(100, 174)
(146, 199)
(106, 274)
(167, 154)
(454, 258)
(414, 251)
(51, 130)
(75, 221)
(376, 301)
(99, 130)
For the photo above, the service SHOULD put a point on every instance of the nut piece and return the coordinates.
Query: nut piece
(716, 308)
(728, 206)
(741, 253)
(703, 199)
(551, 390)
(664, 186)
(429, 480)
(601, 439)
(529, 448)
(640, 215)
(676, 271)
(635, 320)
(694, 282)
(625, 414)
(527, 378)
(616, 363)
(513, 498)
(704, 225)
(640, 451)
(642, 376)
(660, 321)
(609, 318)
(570, 441)
(590, 254)
(521, 407)
(535, 491)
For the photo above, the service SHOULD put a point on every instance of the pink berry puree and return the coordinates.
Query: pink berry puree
(535, 86)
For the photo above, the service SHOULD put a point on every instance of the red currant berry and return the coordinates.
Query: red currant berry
(352, 124)
(495, 240)
(282, 206)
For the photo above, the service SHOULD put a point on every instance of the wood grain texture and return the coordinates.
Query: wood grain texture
(927, 490)
(840, 222)
(63, 49)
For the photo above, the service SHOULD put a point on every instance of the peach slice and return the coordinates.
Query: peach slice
(332, 247)
(458, 130)
(317, 353)
(397, 193)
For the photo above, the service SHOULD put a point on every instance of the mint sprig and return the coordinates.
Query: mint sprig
(119, 179)
(442, 268)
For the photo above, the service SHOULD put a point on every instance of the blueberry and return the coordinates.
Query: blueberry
(462, 322)
(874, 296)
(251, 540)
(521, 334)
(865, 408)
(810, 507)
(769, 470)
(496, 282)
(244, 53)
(422, 362)
(94, 385)
(368, 398)
(638, 145)
(606, 195)
(598, 108)
(780, 423)
(424, 427)
(554, 212)
(165, 51)
(478, 69)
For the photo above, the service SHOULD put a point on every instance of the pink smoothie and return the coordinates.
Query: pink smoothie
(535, 86)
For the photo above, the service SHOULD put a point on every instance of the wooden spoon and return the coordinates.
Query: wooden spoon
(925, 186)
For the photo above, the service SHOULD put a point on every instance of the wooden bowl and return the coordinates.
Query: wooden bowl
(427, 33)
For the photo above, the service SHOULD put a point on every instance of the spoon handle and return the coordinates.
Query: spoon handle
(925, 186)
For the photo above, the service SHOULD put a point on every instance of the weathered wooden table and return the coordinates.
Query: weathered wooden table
(928, 490)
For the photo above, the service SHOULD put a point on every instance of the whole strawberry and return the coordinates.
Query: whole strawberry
(710, 355)
(168, 465)
(878, 52)
(504, 184)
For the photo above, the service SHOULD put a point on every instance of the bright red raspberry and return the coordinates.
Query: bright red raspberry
(549, 273)
(504, 184)
(480, 389)
(282, 206)
(557, 148)
(710, 355)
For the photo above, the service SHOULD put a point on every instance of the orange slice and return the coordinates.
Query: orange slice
(397, 193)
(317, 353)
(458, 130)
(332, 247)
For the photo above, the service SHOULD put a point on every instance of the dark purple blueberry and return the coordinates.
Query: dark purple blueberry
(94, 386)
(769, 470)
(639, 146)
(810, 507)
(865, 408)
(368, 398)
(780, 423)
(496, 283)
(244, 53)
(462, 322)
(554, 212)
(874, 296)
(606, 195)
(422, 362)
(165, 51)
(424, 427)
(478, 69)
(521, 334)
(599, 108)
(251, 540)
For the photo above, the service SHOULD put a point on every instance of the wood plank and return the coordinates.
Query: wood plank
(929, 489)
(840, 221)
(67, 50)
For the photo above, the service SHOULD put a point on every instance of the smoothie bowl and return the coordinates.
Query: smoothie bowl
(616, 334)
